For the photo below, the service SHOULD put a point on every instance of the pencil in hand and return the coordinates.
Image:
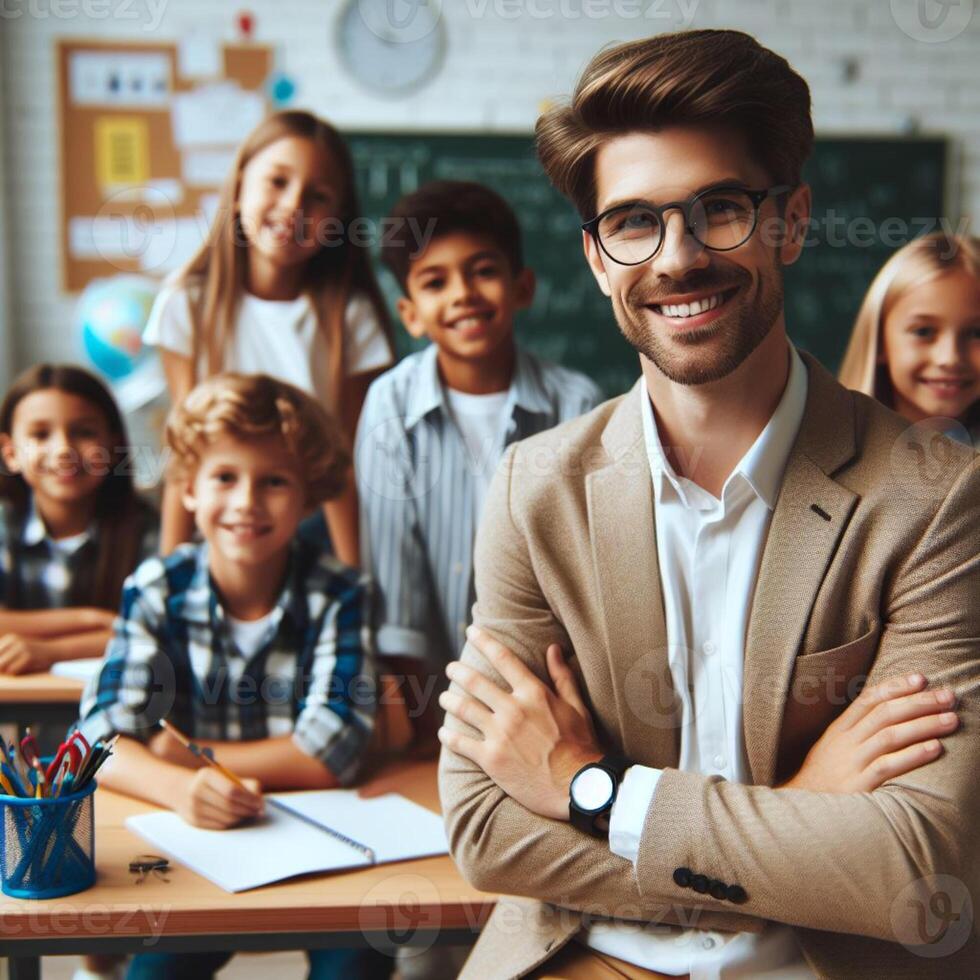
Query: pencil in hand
(206, 753)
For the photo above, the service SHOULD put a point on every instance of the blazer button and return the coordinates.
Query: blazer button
(718, 889)
(736, 894)
(700, 884)
(682, 877)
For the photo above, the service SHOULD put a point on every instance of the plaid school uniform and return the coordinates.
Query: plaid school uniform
(173, 656)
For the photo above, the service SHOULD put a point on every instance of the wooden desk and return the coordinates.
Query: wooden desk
(27, 698)
(417, 903)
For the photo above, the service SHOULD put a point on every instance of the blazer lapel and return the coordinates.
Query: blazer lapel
(624, 548)
(810, 516)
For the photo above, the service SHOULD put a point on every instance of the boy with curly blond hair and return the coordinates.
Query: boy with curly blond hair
(253, 643)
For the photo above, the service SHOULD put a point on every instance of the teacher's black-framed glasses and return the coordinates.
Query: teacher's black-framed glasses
(719, 218)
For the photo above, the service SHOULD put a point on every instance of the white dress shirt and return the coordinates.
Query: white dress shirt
(709, 552)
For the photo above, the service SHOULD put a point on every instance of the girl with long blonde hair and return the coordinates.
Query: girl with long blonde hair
(280, 288)
(916, 341)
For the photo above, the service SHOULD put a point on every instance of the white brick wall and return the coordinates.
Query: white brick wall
(497, 71)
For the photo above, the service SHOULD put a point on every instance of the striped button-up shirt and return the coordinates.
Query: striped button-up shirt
(417, 483)
(173, 656)
(38, 572)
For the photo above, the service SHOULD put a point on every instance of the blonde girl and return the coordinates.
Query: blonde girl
(72, 526)
(279, 288)
(916, 340)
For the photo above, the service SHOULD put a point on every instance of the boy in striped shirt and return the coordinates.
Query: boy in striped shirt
(434, 427)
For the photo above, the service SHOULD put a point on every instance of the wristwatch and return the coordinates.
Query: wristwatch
(592, 793)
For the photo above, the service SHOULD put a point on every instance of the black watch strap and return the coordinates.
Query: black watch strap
(597, 823)
(618, 763)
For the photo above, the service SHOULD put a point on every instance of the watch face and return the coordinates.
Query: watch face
(592, 789)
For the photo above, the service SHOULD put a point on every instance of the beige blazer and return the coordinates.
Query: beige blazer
(871, 569)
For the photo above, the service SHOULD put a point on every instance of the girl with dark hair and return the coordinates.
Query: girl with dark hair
(72, 525)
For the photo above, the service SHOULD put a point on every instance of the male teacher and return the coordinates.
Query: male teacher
(724, 554)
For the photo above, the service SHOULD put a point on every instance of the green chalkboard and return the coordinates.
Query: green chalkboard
(870, 196)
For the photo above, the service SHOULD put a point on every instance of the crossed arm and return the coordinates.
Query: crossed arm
(533, 739)
(857, 851)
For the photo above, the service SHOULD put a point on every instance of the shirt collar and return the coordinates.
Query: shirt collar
(35, 531)
(201, 604)
(763, 464)
(526, 391)
(426, 394)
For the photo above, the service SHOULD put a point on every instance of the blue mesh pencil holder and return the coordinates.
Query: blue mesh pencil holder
(48, 844)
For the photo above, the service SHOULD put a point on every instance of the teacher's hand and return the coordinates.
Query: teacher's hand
(890, 729)
(534, 739)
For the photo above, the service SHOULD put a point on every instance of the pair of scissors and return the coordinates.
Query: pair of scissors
(76, 748)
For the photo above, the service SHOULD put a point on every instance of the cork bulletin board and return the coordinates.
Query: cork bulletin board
(147, 133)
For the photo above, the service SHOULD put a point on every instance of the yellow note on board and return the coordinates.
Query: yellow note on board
(122, 150)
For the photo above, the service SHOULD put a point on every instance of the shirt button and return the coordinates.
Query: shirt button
(708, 943)
(719, 762)
(709, 647)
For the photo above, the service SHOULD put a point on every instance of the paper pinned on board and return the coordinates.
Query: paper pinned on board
(122, 151)
(222, 114)
(105, 237)
(199, 56)
(206, 168)
(172, 244)
(208, 203)
(154, 191)
(140, 79)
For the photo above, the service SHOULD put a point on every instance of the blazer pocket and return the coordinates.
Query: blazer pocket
(822, 685)
(847, 650)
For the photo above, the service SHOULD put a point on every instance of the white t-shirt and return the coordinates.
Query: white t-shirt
(481, 420)
(276, 337)
(250, 634)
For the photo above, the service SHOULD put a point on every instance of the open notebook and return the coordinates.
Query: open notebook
(295, 838)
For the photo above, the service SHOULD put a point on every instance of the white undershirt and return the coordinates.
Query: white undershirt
(481, 423)
(709, 552)
(68, 546)
(250, 634)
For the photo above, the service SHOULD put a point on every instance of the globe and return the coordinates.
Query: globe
(110, 318)
(111, 315)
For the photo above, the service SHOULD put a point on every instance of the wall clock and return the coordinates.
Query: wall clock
(392, 46)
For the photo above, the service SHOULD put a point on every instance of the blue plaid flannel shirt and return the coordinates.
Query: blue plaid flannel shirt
(172, 656)
(35, 573)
